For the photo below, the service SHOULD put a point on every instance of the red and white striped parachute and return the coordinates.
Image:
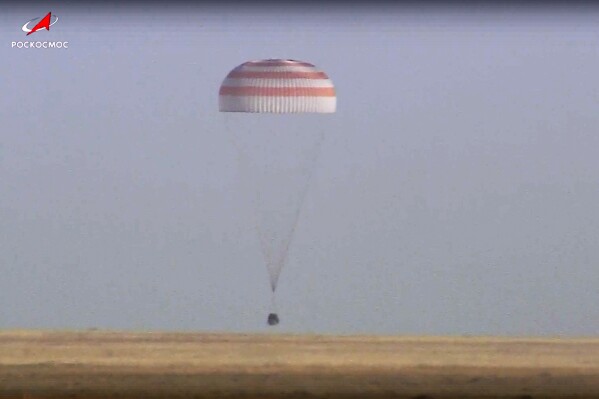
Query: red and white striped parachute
(277, 155)
(277, 86)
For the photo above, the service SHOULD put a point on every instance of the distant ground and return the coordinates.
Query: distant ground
(97, 364)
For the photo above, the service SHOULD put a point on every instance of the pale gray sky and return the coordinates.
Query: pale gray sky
(457, 191)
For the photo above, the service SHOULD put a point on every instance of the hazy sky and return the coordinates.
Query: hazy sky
(457, 190)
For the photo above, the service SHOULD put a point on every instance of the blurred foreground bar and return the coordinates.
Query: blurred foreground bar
(97, 364)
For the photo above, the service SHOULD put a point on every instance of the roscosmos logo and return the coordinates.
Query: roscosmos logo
(36, 25)
(45, 23)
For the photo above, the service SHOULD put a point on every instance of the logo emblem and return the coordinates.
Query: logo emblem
(44, 23)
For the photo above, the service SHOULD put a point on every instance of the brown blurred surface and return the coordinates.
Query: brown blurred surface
(98, 364)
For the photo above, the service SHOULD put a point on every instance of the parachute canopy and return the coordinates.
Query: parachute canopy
(277, 86)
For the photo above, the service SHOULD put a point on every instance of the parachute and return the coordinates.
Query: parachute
(278, 144)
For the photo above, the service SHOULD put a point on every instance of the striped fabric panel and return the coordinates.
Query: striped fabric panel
(281, 86)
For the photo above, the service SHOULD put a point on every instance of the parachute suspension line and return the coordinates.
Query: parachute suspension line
(250, 181)
(273, 302)
(311, 169)
(243, 164)
(273, 317)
